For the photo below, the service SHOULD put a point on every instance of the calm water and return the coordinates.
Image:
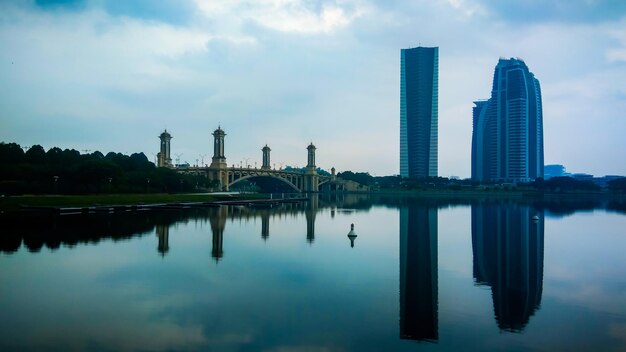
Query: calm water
(422, 275)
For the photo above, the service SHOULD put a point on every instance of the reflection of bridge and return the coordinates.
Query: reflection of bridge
(221, 214)
(222, 177)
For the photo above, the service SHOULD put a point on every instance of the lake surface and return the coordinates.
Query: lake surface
(420, 275)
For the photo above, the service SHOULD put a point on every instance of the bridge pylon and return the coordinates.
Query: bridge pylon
(221, 177)
(218, 170)
(266, 158)
(311, 178)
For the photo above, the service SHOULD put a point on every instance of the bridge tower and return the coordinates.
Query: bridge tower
(311, 178)
(163, 157)
(219, 159)
(266, 158)
(218, 173)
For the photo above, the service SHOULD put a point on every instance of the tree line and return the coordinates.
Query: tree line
(58, 171)
(564, 183)
(55, 171)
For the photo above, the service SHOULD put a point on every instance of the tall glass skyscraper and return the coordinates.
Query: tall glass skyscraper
(507, 136)
(419, 96)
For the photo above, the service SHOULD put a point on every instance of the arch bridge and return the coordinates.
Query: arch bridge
(222, 177)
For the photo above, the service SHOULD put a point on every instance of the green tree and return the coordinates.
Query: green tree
(618, 185)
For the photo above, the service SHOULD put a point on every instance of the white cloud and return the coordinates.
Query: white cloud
(287, 15)
(617, 54)
(467, 8)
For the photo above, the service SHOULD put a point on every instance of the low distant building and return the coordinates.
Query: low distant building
(557, 170)
(554, 170)
(604, 180)
(582, 177)
(337, 184)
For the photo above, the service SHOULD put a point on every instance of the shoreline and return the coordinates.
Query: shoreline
(50, 202)
(150, 200)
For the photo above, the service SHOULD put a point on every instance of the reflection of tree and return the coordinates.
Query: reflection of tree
(617, 206)
(418, 273)
(38, 230)
(560, 208)
(508, 256)
(10, 242)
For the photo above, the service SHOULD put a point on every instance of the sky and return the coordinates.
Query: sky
(111, 75)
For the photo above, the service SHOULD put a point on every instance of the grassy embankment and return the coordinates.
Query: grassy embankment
(15, 202)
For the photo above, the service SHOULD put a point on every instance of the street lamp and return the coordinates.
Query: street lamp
(56, 180)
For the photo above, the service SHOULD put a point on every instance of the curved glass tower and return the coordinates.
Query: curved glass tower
(507, 137)
(419, 87)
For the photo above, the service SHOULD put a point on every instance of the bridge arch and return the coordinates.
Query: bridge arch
(265, 176)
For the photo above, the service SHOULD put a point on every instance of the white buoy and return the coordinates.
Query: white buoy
(351, 235)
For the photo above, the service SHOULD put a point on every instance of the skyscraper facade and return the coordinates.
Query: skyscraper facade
(419, 97)
(507, 136)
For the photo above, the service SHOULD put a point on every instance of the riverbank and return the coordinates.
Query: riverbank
(14, 203)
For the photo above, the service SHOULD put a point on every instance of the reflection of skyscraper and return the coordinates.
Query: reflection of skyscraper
(163, 234)
(419, 79)
(508, 256)
(507, 137)
(418, 273)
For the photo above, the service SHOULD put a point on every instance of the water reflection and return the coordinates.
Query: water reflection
(309, 214)
(35, 231)
(163, 235)
(307, 296)
(265, 226)
(352, 235)
(418, 273)
(508, 256)
(218, 223)
(38, 230)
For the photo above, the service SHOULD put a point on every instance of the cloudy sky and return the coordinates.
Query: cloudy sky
(110, 75)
